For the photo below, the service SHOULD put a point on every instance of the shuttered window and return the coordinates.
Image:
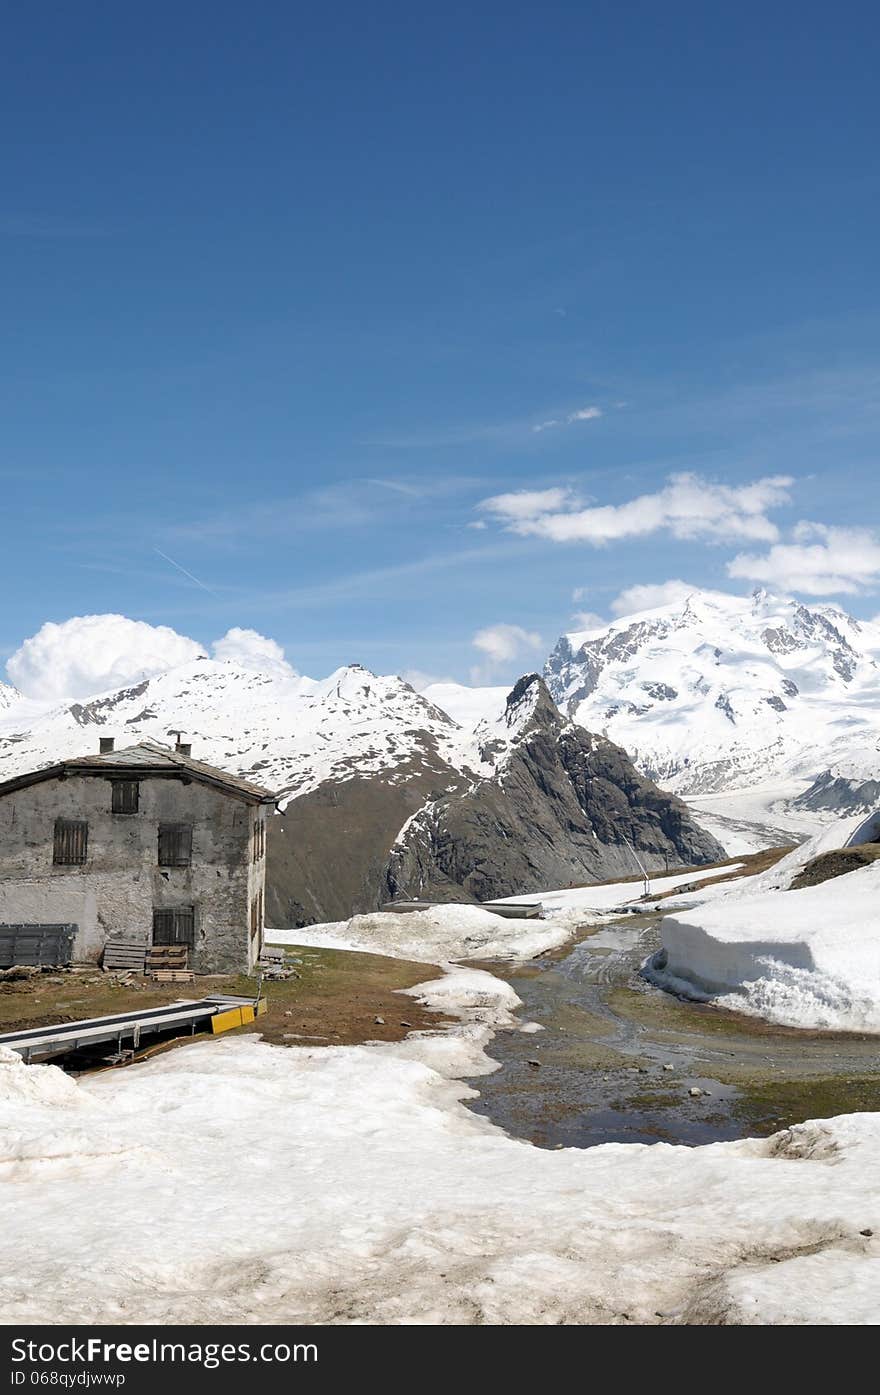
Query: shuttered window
(125, 796)
(259, 839)
(257, 914)
(71, 843)
(175, 844)
(175, 927)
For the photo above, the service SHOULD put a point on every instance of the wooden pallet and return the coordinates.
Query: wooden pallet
(172, 975)
(167, 957)
(123, 955)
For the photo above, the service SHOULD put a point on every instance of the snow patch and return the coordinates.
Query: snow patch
(442, 933)
(808, 958)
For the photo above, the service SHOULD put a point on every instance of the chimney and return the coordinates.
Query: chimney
(106, 744)
(183, 748)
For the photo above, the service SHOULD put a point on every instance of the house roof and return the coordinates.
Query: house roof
(146, 758)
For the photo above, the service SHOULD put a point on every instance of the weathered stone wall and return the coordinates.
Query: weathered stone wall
(121, 883)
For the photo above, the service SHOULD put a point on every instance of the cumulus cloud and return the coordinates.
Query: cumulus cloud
(582, 414)
(250, 649)
(588, 620)
(90, 654)
(822, 560)
(502, 643)
(689, 507)
(650, 595)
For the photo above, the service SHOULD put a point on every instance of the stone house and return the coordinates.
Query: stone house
(143, 842)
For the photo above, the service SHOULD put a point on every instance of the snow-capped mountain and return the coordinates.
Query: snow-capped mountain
(521, 796)
(8, 696)
(290, 734)
(718, 692)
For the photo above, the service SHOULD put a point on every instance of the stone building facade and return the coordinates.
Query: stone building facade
(143, 842)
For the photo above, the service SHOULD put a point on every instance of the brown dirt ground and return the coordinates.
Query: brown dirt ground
(333, 1002)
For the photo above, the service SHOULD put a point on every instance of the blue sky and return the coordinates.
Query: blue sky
(287, 295)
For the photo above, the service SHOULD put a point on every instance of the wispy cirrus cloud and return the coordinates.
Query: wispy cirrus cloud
(348, 503)
(688, 507)
(517, 429)
(582, 414)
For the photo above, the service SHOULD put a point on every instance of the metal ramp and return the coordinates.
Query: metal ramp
(125, 1030)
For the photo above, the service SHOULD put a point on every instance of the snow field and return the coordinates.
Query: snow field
(251, 1183)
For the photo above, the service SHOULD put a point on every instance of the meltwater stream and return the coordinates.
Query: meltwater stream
(619, 1061)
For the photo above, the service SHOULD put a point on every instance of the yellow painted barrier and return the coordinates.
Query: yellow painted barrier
(261, 1006)
(223, 1021)
(235, 1017)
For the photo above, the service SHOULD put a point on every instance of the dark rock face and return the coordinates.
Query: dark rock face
(840, 795)
(561, 809)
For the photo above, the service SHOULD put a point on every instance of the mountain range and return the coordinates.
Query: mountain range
(381, 792)
(718, 692)
(485, 792)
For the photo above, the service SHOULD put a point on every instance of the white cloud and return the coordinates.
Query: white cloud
(822, 561)
(522, 505)
(418, 679)
(582, 414)
(90, 654)
(250, 649)
(588, 620)
(501, 643)
(689, 507)
(650, 595)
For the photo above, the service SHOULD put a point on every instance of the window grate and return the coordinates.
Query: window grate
(126, 795)
(71, 847)
(175, 844)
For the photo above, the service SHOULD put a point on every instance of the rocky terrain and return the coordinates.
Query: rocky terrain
(562, 806)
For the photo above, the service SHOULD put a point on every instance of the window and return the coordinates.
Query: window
(259, 839)
(175, 927)
(257, 914)
(125, 796)
(175, 844)
(71, 842)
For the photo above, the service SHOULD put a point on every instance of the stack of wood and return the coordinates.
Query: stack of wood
(169, 964)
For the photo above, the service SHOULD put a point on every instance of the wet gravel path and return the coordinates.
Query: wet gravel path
(621, 1061)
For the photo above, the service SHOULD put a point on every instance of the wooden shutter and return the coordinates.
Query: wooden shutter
(71, 842)
(259, 839)
(257, 914)
(175, 844)
(176, 926)
(125, 796)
